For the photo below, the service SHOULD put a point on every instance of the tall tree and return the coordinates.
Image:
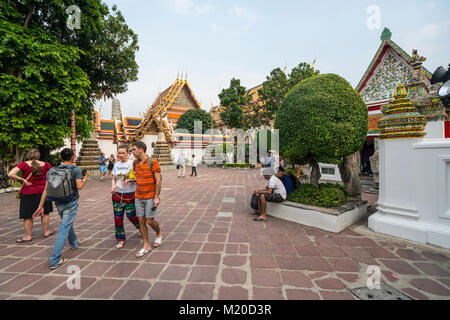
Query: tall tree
(233, 100)
(47, 69)
(187, 120)
(323, 119)
(276, 86)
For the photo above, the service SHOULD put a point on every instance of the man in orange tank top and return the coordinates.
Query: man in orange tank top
(148, 188)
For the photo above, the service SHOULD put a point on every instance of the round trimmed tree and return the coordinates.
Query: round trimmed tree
(187, 119)
(323, 119)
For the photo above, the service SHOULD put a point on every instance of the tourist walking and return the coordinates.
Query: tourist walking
(102, 165)
(181, 166)
(123, 187)
(64, 180)
(111, 163)
(33, 177)
(148, 188)
(194, 165)
(273, 192)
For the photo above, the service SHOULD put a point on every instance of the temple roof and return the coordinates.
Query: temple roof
(388, 46)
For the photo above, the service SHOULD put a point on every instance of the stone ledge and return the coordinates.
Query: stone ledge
(329, 219)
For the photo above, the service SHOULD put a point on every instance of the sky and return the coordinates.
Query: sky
(213, 41)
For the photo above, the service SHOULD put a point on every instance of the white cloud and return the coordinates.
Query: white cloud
(188, 6)
(204, 9)
(244, 14)
(181, 6)
(214, 27)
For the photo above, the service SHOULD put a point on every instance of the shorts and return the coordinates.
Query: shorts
(273, 197)
(144, 208)
(29, 204)
(102, 169)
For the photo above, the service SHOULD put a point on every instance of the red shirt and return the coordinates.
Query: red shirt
(37, 183)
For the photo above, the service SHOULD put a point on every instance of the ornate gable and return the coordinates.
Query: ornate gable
(185, 99)
(390, 72)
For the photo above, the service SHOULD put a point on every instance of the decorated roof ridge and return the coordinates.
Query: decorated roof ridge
(386, 41)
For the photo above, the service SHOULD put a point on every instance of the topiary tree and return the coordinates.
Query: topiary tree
(323, 119)
(187, 119)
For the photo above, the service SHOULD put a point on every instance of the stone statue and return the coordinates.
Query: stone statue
(374, 163)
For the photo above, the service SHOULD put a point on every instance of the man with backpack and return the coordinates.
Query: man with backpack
(273, 192)
(148, 188)
(63, 183)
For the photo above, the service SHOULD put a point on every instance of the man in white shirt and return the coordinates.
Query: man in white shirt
(194, 165)
(273, 192)
(270, 160)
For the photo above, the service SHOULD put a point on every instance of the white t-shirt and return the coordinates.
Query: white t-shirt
(121, 171)
(277, 185)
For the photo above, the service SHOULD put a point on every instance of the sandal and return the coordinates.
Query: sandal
(59, 264)
(50, 234)
(157, 242)
(23, 240)
(120, 245)
(259, 219)
(142, 252)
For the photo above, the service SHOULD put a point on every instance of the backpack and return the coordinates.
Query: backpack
(60, 185)
(254, 203)
(293, 179)
(150, 165)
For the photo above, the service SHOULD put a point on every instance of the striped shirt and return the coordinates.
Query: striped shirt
(145, 181)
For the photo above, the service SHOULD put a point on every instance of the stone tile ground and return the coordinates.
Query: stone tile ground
(211, 250)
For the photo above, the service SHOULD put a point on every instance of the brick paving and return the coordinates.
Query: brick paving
(211, 250)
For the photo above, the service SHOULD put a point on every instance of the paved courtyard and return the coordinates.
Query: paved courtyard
(211, 250)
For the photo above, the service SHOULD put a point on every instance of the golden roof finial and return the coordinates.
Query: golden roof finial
(285, 66)
(314, 62)
(185, 78)
(181, 76)
(178, 74)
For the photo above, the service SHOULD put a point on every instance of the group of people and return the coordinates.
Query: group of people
(135, 188)
(279, 185)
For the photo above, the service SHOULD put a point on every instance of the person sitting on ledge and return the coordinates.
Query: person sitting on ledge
(273, 192)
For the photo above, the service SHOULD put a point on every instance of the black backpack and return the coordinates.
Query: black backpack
(254, 203)
(293, 179)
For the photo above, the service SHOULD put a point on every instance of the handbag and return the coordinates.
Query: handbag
(18, 191)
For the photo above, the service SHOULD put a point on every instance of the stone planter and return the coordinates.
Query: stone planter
(329, 219)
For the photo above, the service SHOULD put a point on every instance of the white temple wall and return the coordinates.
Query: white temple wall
(148, 139)
(414, 199)
(435, 130)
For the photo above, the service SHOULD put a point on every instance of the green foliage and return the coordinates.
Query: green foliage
(233, 100)
(39, 85)
(325, 195)
(47, 69)
(187, 119)
(321, 119)
(276, 86)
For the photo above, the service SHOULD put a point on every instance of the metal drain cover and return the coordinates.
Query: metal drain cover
(386, 292)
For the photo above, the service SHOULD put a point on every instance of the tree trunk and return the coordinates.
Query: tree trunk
(20, 155)
(315, 173)
(349, 170)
